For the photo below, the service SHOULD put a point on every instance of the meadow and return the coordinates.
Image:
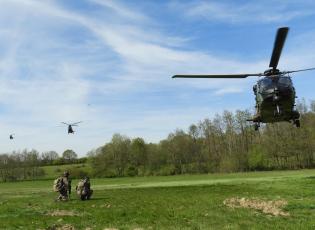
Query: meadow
(170, 202)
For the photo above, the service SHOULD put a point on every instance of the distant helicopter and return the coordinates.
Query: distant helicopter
(275, 93)
(11, 136)
(70, 129)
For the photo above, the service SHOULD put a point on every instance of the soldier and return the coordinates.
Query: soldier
(63, 186)
(83, 189)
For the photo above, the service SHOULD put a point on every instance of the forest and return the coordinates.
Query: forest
(225, 143)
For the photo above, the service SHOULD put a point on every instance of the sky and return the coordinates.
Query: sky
(109, 64)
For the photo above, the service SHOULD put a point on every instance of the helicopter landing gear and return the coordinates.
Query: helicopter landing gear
(297, 123)
(277, 112)
(256, 126)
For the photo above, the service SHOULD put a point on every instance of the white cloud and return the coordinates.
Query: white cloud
(48, 76)
(266, 11)
(228, 90)
(121, 10)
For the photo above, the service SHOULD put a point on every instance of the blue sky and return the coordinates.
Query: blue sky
(109, 63)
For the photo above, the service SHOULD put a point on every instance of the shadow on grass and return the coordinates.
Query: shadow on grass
(310, 177)
(96, 198)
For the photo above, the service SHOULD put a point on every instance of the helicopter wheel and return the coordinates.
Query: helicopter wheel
(297, 123)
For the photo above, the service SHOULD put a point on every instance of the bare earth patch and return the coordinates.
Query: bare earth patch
(273, 207)
(62, 213)
(61, 227)
(66, 227)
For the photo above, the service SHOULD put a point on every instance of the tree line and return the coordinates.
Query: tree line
(226, 143)
(27, 165)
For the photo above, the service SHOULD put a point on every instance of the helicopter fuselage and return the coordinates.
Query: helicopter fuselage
(70, 129)
(275, 100)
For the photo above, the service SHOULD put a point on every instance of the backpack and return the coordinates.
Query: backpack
(81, 188)
(58, 183)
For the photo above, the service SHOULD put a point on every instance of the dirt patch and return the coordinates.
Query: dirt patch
(273, 207)
(105, 206)
(62, 213)
(61, 227)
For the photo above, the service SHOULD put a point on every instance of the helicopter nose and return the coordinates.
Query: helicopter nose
(276, 96)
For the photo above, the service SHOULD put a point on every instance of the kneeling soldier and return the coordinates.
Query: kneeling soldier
(63, 186)
(83, 189)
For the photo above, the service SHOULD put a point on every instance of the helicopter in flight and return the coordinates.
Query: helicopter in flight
(11, 136)
(274, 92)
(70, 129)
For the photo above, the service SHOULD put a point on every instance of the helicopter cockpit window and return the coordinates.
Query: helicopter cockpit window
(284, 81)
(265, 83)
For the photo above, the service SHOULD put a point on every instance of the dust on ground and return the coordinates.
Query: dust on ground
(62, 213)
(273, 207)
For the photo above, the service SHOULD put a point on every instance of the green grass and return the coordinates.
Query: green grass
(174, 202)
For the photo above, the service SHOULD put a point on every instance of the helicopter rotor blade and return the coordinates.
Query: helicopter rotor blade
(65, 123)
(300, 70)
(278, 45)
(217, 75)
(76, 123)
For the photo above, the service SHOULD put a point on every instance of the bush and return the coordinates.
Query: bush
(166, 171)
(132, 171)
(77, 173)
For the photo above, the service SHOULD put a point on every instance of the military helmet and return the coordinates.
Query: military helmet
(66, 173)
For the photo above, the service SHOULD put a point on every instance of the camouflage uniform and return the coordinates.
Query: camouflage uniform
(65, 187)
(84, 189)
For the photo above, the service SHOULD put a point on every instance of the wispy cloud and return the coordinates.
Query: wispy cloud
(228, 90)
(110, 70)
(267, 11)
(121, 10)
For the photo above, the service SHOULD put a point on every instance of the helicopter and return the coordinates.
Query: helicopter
(274, 93)
(11, 136)
(70, 129)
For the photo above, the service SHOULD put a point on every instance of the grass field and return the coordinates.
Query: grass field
(174, 202)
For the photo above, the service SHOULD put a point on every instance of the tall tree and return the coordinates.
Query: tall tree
(69, 156)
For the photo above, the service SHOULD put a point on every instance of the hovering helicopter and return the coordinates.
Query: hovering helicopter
(11, 136)
(275, 93)
(70, 129)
